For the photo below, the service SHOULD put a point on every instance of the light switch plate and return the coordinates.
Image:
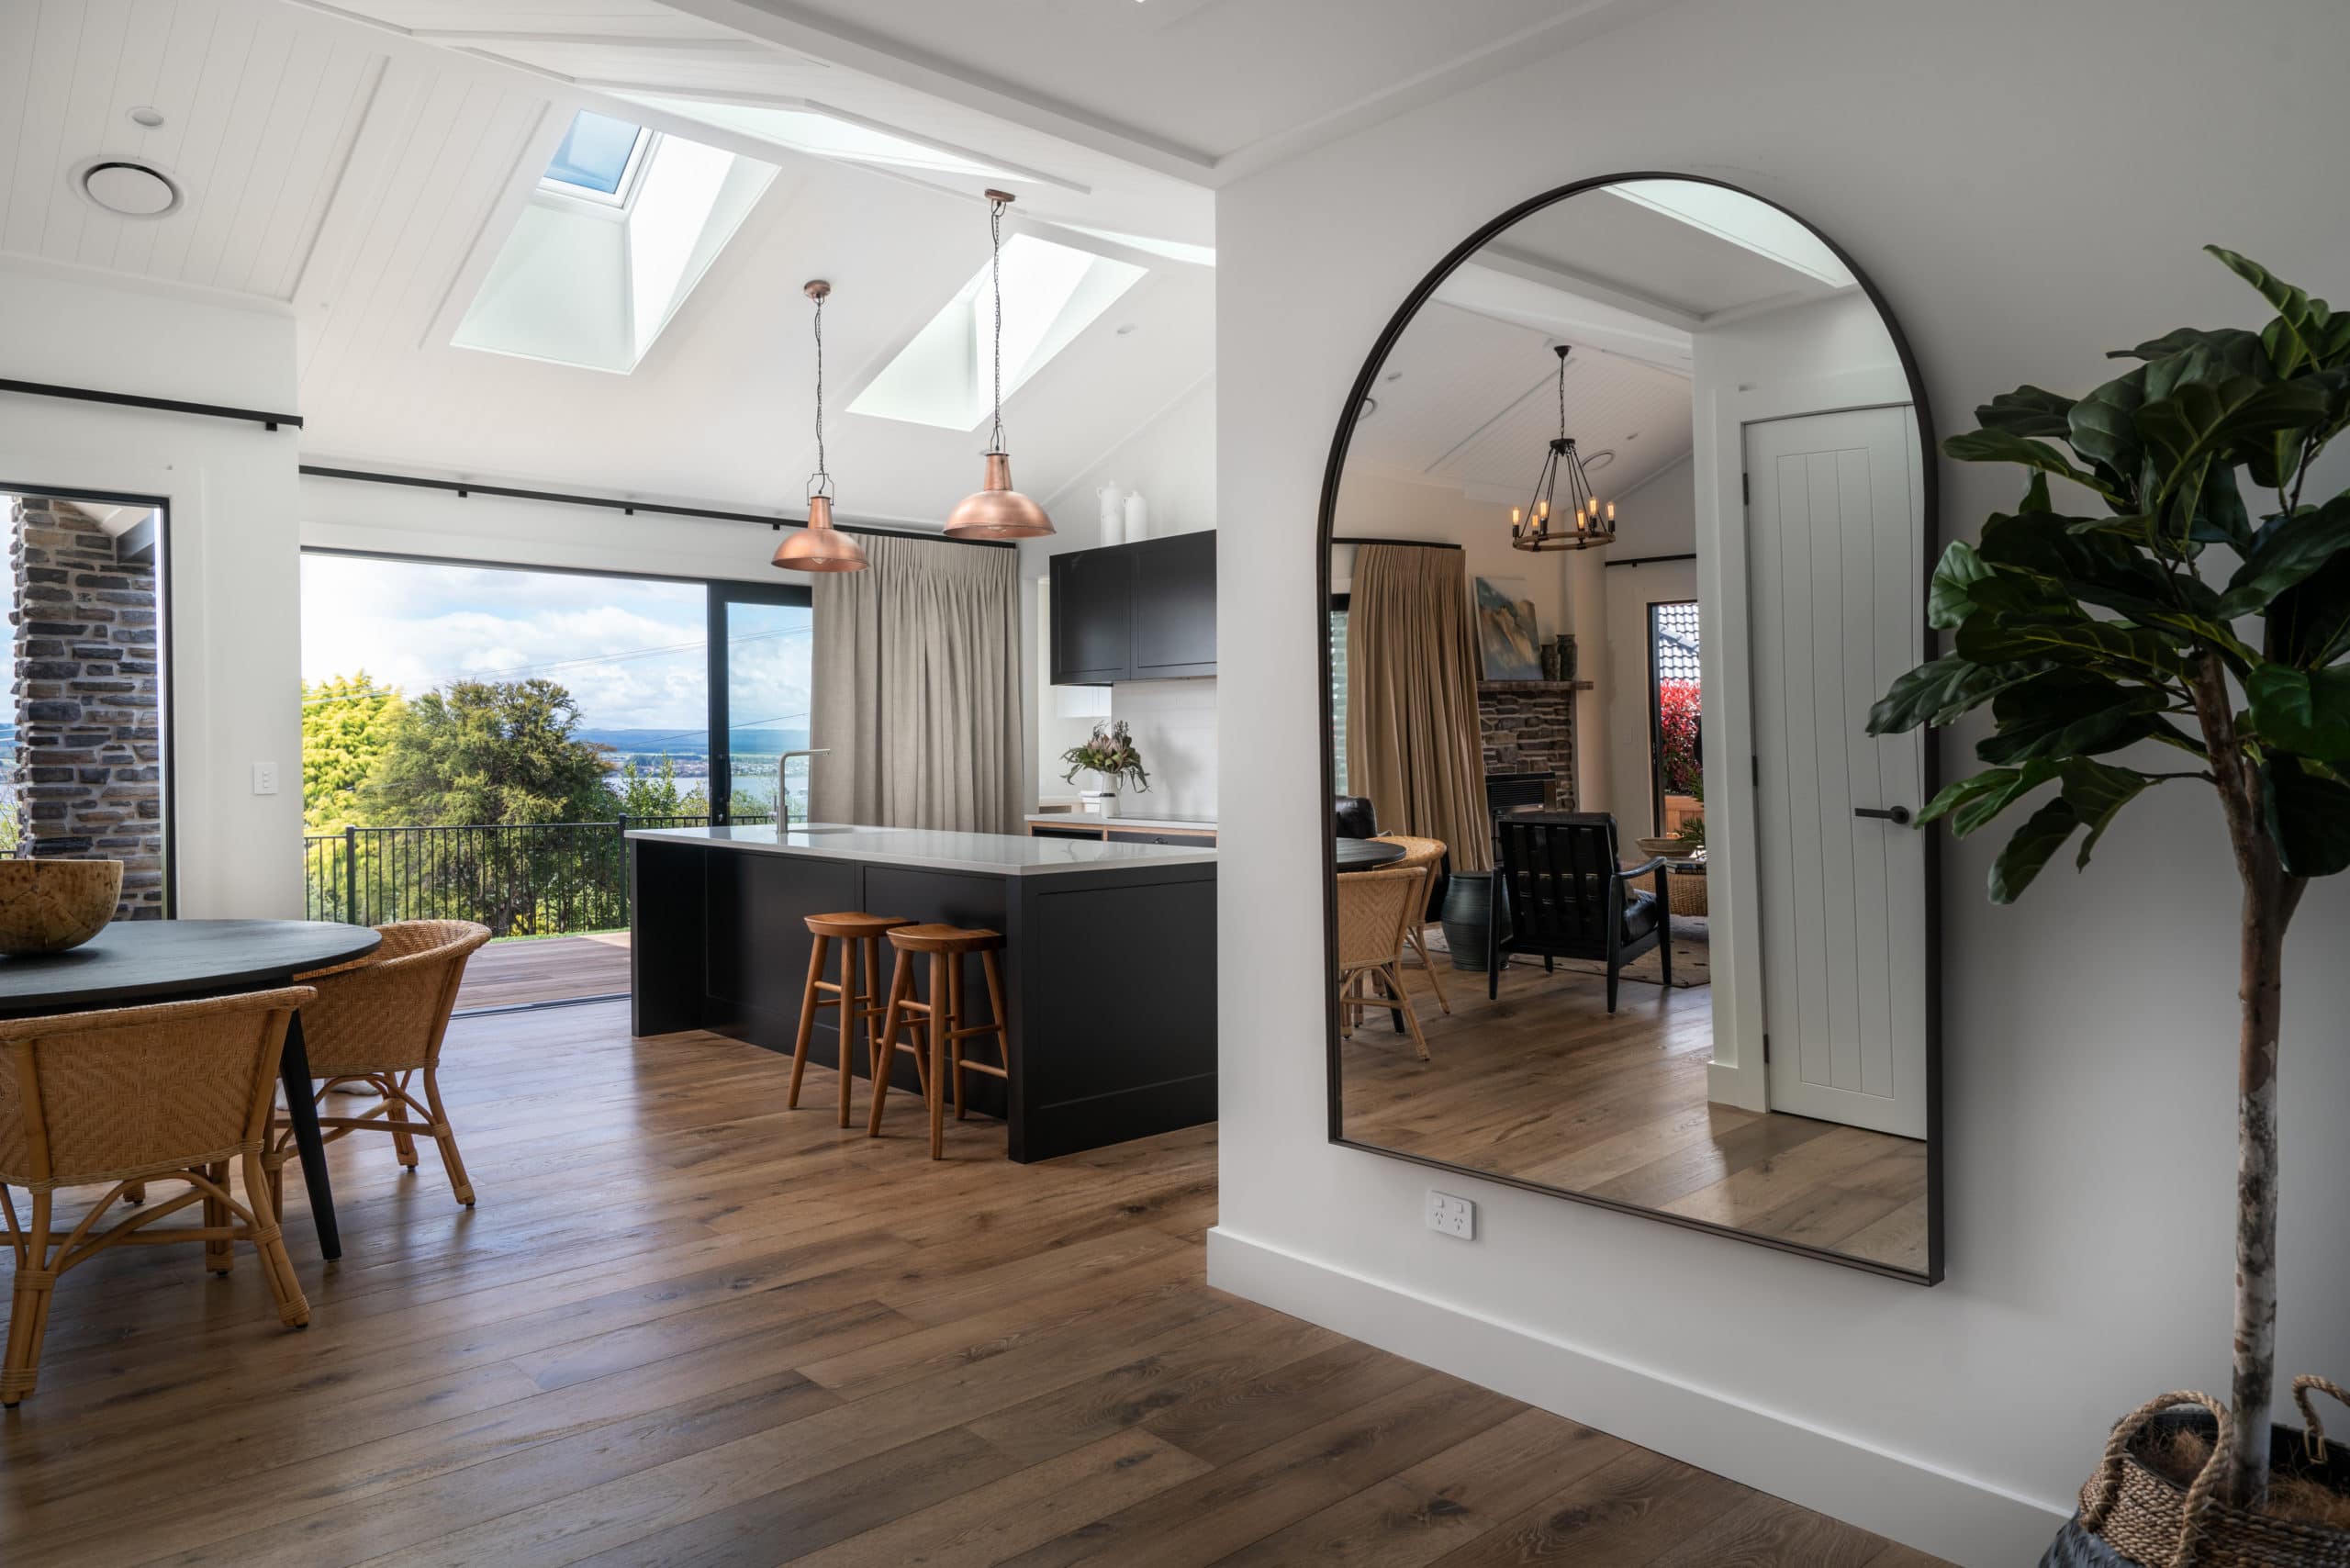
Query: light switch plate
(1454, 1216)
(264, 779)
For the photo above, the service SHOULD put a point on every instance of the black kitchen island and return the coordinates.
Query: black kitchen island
(1109, 961)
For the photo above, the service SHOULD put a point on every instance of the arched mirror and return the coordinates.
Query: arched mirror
(1628, 522)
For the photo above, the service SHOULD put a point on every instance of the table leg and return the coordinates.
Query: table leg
(302, 1111)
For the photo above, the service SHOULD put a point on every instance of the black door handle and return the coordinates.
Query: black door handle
(1897, 814)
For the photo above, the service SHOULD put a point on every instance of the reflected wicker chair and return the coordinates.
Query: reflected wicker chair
(379, 1023)
(173, 1093)
(1424, 856)
(1374, 907)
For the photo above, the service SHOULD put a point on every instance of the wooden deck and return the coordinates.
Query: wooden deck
(523, 969)
(686, 1326)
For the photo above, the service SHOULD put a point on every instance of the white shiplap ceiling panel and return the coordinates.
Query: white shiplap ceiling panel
(258, 111)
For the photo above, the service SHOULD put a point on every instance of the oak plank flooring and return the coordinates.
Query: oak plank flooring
(1543, 1085)
(686, 1326)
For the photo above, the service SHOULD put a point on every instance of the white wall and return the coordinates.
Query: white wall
(233, 615)
(2088, 1057)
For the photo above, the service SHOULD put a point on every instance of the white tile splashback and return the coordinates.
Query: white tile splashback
(1174, 728)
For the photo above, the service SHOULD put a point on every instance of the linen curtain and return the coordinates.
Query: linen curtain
(1412, 740)
(917, 688)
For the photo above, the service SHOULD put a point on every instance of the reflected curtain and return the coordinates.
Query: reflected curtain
(1412, 738)
(917, 688)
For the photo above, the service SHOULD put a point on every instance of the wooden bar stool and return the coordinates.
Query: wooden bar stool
(850, 929)
(942, 1019)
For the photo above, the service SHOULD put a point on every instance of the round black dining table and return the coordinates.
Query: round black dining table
(1362, 854)
(133, 962)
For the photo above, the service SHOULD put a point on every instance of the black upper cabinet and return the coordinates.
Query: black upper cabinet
(1142, 612)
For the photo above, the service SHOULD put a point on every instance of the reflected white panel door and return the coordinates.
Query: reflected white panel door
(1835, 564)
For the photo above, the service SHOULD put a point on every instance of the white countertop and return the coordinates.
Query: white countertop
(993, 854)
(1094, 819)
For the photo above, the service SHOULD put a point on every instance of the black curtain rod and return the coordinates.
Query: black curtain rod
(1649, 560)
(628, 509)
(168, 404)
(1415, 543)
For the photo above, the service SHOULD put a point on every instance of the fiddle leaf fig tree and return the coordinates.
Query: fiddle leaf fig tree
(2199, 611)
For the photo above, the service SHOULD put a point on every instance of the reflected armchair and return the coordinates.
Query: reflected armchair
(1559, 891)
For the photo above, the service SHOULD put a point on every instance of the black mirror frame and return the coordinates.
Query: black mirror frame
(1334, 475)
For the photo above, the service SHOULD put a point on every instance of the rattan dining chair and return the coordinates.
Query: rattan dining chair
(173, 1093)
(379, 1024)
(1424, 856)
(1373, 909)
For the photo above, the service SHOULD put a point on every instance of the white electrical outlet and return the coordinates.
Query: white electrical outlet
(264, 779)
(1454, 1216)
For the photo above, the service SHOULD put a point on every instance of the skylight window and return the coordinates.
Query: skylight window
(945, 376)
(599, 157)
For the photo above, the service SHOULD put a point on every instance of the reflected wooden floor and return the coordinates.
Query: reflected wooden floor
(1544, 1086)
(686, 1326)
(524, 970)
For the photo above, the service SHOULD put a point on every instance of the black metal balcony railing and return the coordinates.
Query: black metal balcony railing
(530, 879)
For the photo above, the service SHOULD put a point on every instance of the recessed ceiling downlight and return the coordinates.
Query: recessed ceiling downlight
(129, 189)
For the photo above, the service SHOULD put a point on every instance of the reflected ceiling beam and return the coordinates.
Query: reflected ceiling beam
(858, 49)
(1543, 305)
(487, 38)
(1584, 285)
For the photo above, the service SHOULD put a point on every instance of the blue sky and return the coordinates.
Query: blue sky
(631, 650)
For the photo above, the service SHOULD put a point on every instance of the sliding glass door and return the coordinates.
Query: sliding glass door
(760, 682)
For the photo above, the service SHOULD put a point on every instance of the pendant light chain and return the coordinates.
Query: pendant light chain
(823, 479)
(1562, 391)
(995, 281)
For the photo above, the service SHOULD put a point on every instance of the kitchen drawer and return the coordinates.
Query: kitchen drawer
(1041, 830)
(1157, 835)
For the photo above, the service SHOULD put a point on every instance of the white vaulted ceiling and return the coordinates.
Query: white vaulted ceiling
(361, 164)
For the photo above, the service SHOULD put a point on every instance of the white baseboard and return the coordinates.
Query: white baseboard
(1968, 1521)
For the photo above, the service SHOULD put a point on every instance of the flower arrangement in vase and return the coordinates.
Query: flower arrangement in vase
(1110, 756)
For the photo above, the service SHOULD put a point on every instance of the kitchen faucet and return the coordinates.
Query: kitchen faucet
(782, 790)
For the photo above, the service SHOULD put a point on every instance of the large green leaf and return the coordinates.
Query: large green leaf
(2287, 551)
(2224, 419)
(2066, 715)
(2097, 792)
(2105, 646)
(1988, 794)
(2308, 816)
(2005, 446)
(2028, 410)
(2302, 334)
(2102, 427)
(2309, 623)
(2303, 710)
(2220, 518)
(1937, 692)
(2042, 834)
(2223, 342)
(1950, 597)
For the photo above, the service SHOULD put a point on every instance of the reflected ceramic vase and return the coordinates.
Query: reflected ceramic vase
(1103, 798)
(1468, 910)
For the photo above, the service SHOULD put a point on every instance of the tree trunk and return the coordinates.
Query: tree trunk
(2269, 897)
(2261, 968)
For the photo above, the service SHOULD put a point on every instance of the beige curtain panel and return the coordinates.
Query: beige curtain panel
(917, 675)
(1412, 740)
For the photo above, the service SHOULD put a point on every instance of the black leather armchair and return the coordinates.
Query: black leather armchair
(1559, 891)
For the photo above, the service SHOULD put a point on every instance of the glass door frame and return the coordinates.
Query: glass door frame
(724, 593)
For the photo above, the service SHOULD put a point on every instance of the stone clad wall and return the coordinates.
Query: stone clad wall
(1529, 726)
(88, 699)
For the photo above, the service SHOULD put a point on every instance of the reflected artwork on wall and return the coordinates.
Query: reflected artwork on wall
(1509, 643)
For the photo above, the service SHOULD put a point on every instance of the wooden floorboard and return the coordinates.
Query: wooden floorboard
(686, 1326)
(1545, 1085)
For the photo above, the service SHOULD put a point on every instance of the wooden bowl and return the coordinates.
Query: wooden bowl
(48, 906)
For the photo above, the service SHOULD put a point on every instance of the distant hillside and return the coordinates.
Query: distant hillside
(659, 743)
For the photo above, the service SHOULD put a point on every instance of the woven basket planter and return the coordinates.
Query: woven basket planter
(2134, 1515)
(1686, 893)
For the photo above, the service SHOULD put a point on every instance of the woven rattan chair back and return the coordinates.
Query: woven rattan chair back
(1372, 908)
(180, 1090)
(379, 1024)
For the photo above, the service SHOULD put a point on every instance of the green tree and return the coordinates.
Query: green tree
(658, 793)
(484, 751)
(347, 723)
(2170, 615)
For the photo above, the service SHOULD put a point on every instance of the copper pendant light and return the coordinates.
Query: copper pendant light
(997, 510)
(1587, 527)
(820, 547)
